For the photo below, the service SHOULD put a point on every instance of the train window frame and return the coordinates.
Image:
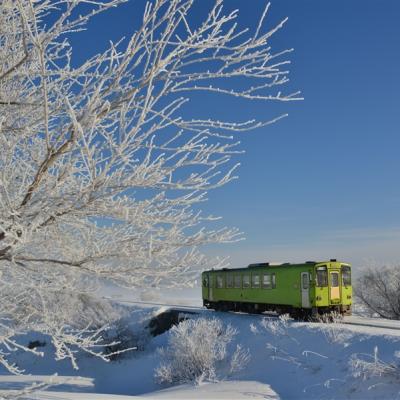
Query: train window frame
(267, 281)
(253, 283)
(321, 282)
(205, 281)
(220, 282)
(229, 281)
(237, 281)
(346, 275)
(246, 280)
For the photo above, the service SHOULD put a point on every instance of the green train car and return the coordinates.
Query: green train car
(306, 289)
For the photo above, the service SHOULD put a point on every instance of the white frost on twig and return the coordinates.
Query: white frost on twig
(103, 166)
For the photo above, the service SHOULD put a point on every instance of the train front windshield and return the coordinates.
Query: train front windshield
(346, 275)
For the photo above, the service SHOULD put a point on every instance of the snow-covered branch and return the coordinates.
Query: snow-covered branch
(103, 165)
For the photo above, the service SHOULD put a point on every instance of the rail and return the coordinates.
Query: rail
(348, 320)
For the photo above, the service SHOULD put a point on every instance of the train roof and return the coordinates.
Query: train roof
(275, 265)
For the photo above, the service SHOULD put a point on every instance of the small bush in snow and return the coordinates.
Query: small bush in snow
(333, 330)
(366, 366)
(330, 318)
(196, 349)
(276, 326)
(240, 359)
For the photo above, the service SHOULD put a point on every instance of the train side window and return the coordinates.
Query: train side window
(220, 282)
(238, 281)
(255, 280)
(267, 281)
(322, 276)
(205, 281)
(246, 281)
(273, 281)
(229, 281)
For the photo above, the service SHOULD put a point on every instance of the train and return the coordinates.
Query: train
(301, 290)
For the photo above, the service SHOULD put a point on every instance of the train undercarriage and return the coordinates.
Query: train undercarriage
(258, 308)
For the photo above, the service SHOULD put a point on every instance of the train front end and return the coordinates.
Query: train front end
(333, 290)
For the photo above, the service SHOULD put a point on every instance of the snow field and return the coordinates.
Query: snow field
(289, 360)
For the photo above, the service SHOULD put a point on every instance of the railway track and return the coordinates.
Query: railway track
(347, 320)
(372, 322)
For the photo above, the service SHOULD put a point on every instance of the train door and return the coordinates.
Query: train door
(305, 290)
(334, 285)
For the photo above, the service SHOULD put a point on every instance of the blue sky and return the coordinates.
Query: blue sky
(324, 182)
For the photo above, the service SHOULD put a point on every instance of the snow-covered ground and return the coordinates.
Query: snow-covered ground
(289, 360)
(173, 296)
(221, 390)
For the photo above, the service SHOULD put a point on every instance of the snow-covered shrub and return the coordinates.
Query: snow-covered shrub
(276, 326)
(366, 366)
(197, 349)
(333, 330)
(330, 318)
(254, 329)
(240, 359)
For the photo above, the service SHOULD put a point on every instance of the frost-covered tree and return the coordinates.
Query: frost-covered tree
(197, 350)
(103, 164)
(378, 290)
